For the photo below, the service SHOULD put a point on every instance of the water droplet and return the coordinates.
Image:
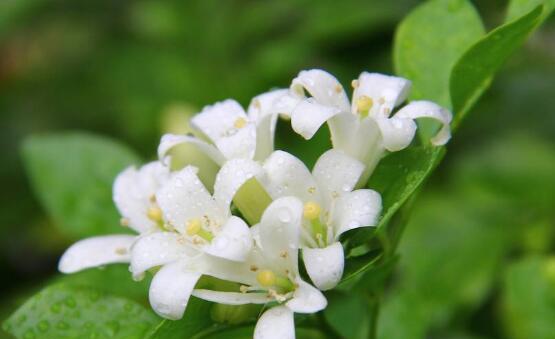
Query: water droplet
(284, 215)
(43, 325)
(29, 334)
(56, 308)
(70, 302)
(62, 325)
(113, 327)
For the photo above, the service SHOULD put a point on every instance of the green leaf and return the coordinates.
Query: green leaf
(428, 43)
(62, 311)
(518, 8)
(72, 175)
(473, 73)
(195, 320)
(348, 315)
(528, 298)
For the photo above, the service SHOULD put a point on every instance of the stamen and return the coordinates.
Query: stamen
(338, 88)
(154, 213)
(354, 83)
(311, 210)
(194, 227)
(124, 222)
(364, 104)
(266, 278)
(240, 123)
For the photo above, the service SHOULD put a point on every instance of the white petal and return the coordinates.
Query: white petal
(132, 192)
(169, 141)
(385, 91)
(397, 132)
(324, 265)
(323, 87)
(266, 104)
(232, 298)
(219, 123)
(265, 132)
(170, 290)
(157, 249)
(231, 177)
(239, 272)
(275, 323)
(309, 115)
(96, 251)
(306, 299)
(427, 109)
(286, 175)
(355, 209)
(184, 197)
(233, 242)
(337, 172)
(279, 232)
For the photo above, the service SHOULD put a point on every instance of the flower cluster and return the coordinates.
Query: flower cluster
(248, 223)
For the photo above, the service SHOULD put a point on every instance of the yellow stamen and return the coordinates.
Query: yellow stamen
(311, 210)
(354, 83)
(194, 227)
(240, 123)
(364, 104)
(154, 213)
(266, 278)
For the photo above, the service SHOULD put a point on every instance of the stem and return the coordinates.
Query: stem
(252, 199)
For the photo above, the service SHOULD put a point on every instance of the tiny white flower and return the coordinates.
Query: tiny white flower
(270, 273)
(134, 194)
(331, 207)
(367, 126)
(231, 132)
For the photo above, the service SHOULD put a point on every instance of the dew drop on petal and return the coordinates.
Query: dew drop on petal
(284, 215)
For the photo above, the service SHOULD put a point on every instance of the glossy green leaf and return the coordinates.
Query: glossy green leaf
(196, 320)
(518, 8)
(430, 40)
(528, 298)
(474, 71)
(72, 174)
(62, 311)
(348, 314)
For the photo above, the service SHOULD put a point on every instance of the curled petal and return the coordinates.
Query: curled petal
(158, 249)
(325, 265)
(266, 104)
(96, 251)
(427, 109)
(323, 87)
(227, 125)
(309, 115)
(337, 172)
(169, 141)
(233, 242)
(306, 299)
(232, 298)
(275, 323)
(397, 132)
(356, 209)
(132, 191)
(170, 290)
(231, 177)
(286, 175)
(184, 197)
(386, 92)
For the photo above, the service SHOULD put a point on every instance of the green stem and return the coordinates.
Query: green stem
(252, 199)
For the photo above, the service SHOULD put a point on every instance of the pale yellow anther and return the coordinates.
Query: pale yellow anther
(266, 278)
(193, 227)
(354, 83)
(311, 210)
(338, 88)
(364, 104)
(154, 213)
(240, 123)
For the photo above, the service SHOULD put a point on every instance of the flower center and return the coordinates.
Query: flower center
(364, 104)
(268, 279)
(311, 212)
(194, 227)
(240, 123)
(154, 213)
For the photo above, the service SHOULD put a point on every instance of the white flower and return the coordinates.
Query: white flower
(331, 207)
(134, 194)
(270, 273)
(231, 132)
(368, 126)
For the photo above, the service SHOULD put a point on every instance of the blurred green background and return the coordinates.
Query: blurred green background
(477, 258)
